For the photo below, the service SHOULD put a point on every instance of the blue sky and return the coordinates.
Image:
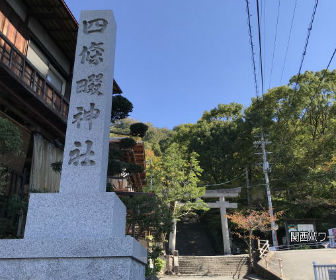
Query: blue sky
(177, 58)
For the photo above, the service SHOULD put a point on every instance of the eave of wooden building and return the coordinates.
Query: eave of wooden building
(22, 85)
(61, 25)
(135, 155)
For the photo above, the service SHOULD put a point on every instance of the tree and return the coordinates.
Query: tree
(121, 108)
(175, 179)
(153, 135)
(116, 163)
(216, 138)
(301, 122)
(249, 222)
(147, 213)
(10, 143)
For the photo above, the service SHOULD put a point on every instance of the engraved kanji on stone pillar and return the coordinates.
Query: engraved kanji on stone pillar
(87, 138)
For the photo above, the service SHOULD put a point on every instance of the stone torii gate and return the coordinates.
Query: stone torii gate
(223, 205)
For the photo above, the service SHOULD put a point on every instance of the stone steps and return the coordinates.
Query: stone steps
(216, 265)
(193, 240)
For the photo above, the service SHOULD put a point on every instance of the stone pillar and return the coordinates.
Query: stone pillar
(79, 233)
(225, 228)
(85, 160)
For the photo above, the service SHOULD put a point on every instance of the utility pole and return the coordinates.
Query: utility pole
(151, 172)
(264, 153)
(247, 186)
(151, 175)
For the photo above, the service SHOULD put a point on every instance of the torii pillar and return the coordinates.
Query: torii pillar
(223, 205)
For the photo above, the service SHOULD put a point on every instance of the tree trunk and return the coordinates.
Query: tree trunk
(172, 238)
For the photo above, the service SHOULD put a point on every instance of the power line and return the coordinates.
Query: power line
(323, 75)
(289, 37)
(325, 71)
(274, 44)
(219, 184)
(310, 27)
(252, 46)
(260, 50)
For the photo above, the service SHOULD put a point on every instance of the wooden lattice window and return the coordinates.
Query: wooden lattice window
(13, 35)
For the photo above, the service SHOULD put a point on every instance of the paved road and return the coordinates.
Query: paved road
(298, 264)
(194, 278)
(183, 277)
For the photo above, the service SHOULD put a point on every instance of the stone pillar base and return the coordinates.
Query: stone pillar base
(110, 259)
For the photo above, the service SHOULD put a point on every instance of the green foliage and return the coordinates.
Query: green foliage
(3, 180)
(303, 247)
(155, 135)
(127, 143)
(123, 126)
(121, 108)
(175, 179)
(300, 124)
(116, 166)
(10, 138)
(116, 154)
(138, 129)
(159, 264)
(57, 166)
(155, 138)
(15, 206)
(134, 168)
(148, 212)
(224, 112)
(10, 143)
(216, 138)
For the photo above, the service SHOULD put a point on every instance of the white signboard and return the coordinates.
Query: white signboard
(332, 241)
(305, 227)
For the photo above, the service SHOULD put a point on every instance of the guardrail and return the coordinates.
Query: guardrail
(28, 75)
(312, 245)
(264, 249)
(324, 272)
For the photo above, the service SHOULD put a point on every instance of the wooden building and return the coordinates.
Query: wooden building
(37, 51)
(129, 182)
